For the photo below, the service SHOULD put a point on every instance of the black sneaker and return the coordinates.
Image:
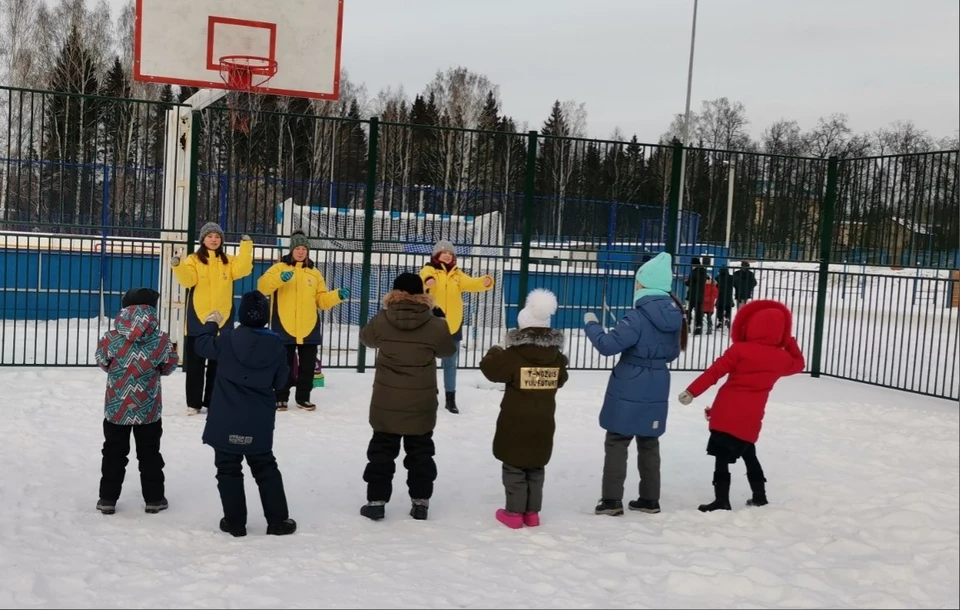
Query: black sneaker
(236, 532)
(375, 511)
(614, 508)
(645, 506)
(451, 404)
(107, 507)
(284, 528)
(419, 510)
(306, 405)
(155, 507)
(281, 405)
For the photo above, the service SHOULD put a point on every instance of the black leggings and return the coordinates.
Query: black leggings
(750, 460)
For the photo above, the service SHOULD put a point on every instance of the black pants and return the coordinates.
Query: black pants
(200, 375)
(308, 361)
(116, 447)
(265, 472)
(749, 455)
(724, 312)
(381, 457)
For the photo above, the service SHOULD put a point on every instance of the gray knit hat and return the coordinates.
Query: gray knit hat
(299, 238)
(210, 227)
(443, 246)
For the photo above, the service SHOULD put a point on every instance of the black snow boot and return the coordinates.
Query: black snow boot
(645, 506)
(236, 532)
(614, 508)
(419, 509)
(759, 489)
(452, 402)
(721, 489)
(155, 507)
(107, 507)
(375, 511)
(283, 528)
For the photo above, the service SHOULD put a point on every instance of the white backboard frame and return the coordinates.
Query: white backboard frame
(181, 41)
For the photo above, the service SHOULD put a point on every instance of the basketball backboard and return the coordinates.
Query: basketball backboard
(181, 42)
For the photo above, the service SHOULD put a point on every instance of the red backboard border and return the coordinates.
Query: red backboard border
(213, 63)
(138, 75)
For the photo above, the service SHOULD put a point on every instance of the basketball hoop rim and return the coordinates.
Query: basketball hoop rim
(255, 64)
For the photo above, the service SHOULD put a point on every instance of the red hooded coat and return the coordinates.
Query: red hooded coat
(763, 351)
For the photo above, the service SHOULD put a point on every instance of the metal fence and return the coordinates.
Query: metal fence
(860, 249)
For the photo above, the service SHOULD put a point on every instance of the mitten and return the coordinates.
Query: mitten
(590, 318)
(344, 294)
(174, 261)
(438, 312)
(685, 397)
(286, 276)
(245, 237)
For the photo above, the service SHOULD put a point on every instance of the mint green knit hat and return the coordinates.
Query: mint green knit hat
(656, 274)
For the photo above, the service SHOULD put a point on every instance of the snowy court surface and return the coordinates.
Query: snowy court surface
(863, 484)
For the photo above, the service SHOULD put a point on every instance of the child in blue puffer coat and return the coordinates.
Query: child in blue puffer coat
(635, 404)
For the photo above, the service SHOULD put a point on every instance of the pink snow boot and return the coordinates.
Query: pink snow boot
(512, 520)
(531, 519)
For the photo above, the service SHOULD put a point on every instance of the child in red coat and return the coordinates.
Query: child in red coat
(710, 293)
(763, 351)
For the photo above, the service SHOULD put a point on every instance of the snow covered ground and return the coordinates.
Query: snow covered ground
(863, 484)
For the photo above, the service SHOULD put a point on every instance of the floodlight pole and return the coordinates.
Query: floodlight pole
(686, 129)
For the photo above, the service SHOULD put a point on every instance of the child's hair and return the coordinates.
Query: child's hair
(202, 255)
(683, 328)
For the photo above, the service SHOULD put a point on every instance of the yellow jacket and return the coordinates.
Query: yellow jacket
(294, 304)
(449, 289)
(210, 286)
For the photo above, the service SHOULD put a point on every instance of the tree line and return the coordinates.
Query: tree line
(450, 148)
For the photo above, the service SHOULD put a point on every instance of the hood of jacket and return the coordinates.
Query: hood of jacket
(256, 348)
(763, 321)
(662, 311)
(408, 311)
(538, 345)
(136, 321)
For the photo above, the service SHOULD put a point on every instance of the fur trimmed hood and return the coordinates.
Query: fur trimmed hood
(407, 311)
(540, 337)
(395, 297)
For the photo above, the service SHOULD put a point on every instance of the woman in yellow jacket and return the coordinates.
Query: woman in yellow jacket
(208, 276)
(297, 292)
(446, 283)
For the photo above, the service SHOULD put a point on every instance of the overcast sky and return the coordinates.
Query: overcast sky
(876, 60)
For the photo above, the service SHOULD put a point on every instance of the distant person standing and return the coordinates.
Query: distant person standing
(695, 283)
(725, 297)
(743, 284)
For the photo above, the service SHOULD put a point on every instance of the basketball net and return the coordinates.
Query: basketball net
(244, 75)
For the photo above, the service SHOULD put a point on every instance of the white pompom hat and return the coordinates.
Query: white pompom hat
(540, 305)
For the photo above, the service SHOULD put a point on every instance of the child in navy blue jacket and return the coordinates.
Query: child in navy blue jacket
(251, 367)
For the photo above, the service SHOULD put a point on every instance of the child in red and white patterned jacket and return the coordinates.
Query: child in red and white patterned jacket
(134, 354)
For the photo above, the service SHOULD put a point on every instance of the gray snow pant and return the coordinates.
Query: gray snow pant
(615, 466)
(524, 487)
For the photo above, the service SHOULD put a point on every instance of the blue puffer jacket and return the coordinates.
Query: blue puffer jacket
(637, 394)
(251, 365)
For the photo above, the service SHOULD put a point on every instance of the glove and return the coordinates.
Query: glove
(286, 276)
(438, 312)
(685, 397)
(344, 294)
(215, 316)
(174, 261)
(245, 237)
(706, 414)
(590, 317)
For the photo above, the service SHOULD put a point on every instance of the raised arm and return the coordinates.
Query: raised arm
(166, 360)
(208, 344)
(185, 271)
(271, 281)
(624, 336)
(326, 299)
(103, 355)
(797, 360)
(497, 366)
(241, 265)
(720, 368)
(475, 284)
(369, 334)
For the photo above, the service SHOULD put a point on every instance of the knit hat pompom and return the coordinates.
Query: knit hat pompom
(540, 305)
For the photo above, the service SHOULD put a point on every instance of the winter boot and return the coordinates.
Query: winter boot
(283, 528)
(721, 489)
(531, 519)
(107, 507)
(281, 405)
(452, 402)
(419, 509)
(651, 507)
(512, 520)
(306, 405)
(155, 507)
(759, 489)
(236, 532)
(375, 511)
(614, 508)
